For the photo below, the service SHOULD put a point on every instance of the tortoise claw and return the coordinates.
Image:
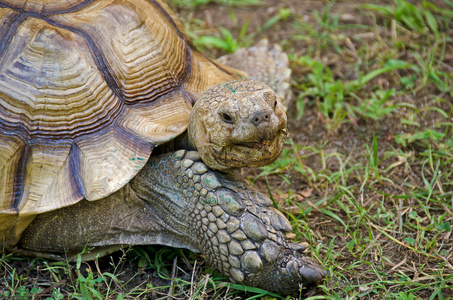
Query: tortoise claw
(290, 272)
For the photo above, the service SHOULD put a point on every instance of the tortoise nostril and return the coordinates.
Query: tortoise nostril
(260, 118)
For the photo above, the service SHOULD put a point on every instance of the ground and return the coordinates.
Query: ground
(366, 176)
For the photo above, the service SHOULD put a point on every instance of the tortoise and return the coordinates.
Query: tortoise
(115, 130)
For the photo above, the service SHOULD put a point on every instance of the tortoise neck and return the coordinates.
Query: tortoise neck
(179, 143)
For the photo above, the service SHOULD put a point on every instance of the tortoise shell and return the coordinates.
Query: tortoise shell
(87, 90)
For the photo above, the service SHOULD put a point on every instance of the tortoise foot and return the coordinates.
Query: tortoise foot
(253, 248)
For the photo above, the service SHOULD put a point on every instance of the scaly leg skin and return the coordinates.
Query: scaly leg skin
(236, 228)
(177, 201)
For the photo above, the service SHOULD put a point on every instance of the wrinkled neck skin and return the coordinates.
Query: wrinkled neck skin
(241, 123)
(178, 143)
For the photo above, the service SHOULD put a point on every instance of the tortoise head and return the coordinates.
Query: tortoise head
(241, 123)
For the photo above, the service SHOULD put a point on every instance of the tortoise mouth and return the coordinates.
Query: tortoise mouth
(263, 141)
(255, 153)
(257, 144)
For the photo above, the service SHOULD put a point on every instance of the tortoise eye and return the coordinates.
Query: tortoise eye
(275, 104)
(227, 118)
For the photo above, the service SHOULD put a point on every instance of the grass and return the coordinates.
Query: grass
(365, 178)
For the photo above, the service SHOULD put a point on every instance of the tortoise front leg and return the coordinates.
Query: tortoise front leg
(235, 227)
